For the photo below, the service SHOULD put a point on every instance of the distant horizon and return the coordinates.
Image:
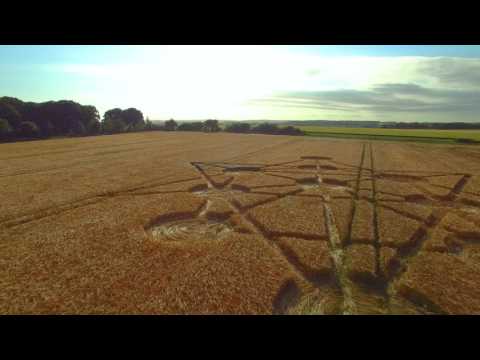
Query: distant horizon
(387, 83)
(307, 120)
(267, 120)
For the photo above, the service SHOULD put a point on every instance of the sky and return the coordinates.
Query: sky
(297, 82)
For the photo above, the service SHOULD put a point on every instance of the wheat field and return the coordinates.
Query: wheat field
(193, 223)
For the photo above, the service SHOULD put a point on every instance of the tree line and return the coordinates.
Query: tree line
(171, 125)
(21, 120)
(25, 120)
(387, 124)
(424, 125)
(212, 125)
(263, 128)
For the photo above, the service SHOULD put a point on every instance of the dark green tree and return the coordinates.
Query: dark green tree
(94, 128)
(113, 122)
(194, 126)
(28, 129)
(265, 128)
(90, 119)
(170, 125)
(211, 126)
(148, 125)
(113, 114)
(10, 113)
(78, 129)
(238, 128)
(45, 127)
(290, 130)
(113, 126)
(133, 118)
(6, 131)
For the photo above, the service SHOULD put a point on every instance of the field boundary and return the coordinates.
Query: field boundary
(427, 139)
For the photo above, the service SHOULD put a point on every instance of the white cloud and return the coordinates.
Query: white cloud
(222, 81)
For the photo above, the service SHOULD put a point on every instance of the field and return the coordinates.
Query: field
(424, 135)
(194, 223)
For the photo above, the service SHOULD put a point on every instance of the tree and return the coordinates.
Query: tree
(134, 127)
(265, 128)
(114, 126)
(133, 118)
(94, 128)
(112, 114)
(91, 119)
(211, 126)
(66, 117)
(140, 126)
(118, 120)
(238, 128)
(194, 126)
(148, 125)
(78, 129)
(6, 130)
(63, 114)
(290, 130)
(45, 127)
(118, 126)
(171, 125)
(113, 122)
(28, 129)
(9, 113)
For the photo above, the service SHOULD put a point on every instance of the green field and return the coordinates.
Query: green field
(424, 135)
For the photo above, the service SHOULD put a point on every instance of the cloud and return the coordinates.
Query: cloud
(395, 97)
(210, 79)
(452, 71)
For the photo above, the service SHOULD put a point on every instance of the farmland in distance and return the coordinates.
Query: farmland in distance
(416, 135)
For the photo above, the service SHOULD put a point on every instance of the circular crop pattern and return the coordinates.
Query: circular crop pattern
(194, 229)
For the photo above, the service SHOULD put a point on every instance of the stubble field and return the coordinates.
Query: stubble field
(192, 223)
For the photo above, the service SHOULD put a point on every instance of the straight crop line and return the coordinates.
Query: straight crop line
(51, 212)
(375, 213)
(348, 239)
(57, 209)
(338, 258)
(376, 233)
(336, 252)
